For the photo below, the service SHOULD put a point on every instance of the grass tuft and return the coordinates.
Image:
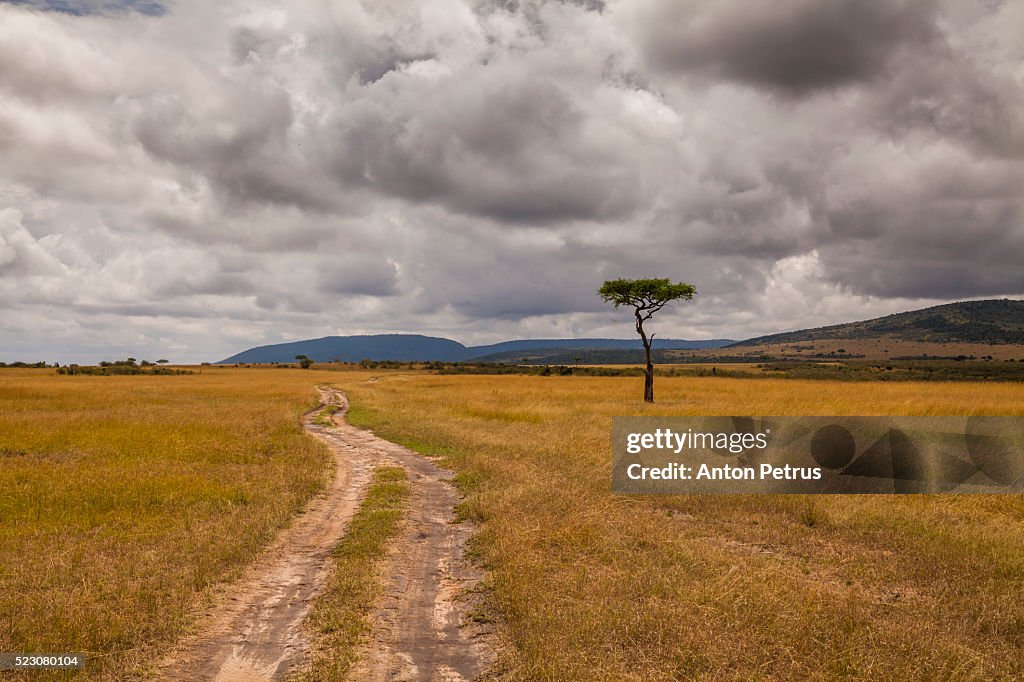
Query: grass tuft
(592, 586)
(338, 617)
(326, 416)
(123, 499)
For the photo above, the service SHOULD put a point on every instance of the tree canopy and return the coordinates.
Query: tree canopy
(647, 296)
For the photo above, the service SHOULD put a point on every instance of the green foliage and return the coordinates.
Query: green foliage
(646, 297)
(610, 356)
(645, 294)
(122, 367)
(304, 361)
(934, 369)
(115, 369)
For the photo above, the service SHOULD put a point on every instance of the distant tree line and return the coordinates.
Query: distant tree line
(922, 369)
(126, 366)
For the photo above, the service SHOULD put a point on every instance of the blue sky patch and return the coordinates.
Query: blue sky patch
(86, 7)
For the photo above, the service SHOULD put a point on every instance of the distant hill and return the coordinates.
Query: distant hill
(548, 346)
(408, 347)
(356, 348)
(994, 321)
(577, 356)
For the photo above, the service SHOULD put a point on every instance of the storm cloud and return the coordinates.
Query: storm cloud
(797, 46)
(186, 179)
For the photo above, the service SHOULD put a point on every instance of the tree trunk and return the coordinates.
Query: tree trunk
(649, 383)
(649, 370)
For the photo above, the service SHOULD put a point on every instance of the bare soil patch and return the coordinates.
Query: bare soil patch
(256, 632)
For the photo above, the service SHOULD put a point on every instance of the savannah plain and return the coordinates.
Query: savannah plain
(129, 504)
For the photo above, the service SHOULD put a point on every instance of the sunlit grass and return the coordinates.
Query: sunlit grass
(593, 585)
(124, 498)
(338, 616)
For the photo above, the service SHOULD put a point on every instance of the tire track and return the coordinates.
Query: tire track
(256, 634)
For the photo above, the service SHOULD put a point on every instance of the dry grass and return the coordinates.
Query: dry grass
(123, 499)
(338, 616)
(880, 348)
(597, 586)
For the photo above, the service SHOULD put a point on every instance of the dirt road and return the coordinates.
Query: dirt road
(256, 633)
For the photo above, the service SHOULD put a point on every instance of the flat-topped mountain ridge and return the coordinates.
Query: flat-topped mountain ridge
(417, 347)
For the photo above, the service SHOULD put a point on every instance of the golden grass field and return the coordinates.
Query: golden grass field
(125, 500)
(595, 586)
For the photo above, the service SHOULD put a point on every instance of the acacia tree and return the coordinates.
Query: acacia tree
(646, 297)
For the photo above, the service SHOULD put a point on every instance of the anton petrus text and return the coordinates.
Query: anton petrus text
(679, 455)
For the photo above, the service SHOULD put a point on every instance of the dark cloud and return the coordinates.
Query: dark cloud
(358, 277)
(233, 173)
(937, 247)
(497, 141)
(209, 282)
(794, 46)
(241, 144)
(955, 99)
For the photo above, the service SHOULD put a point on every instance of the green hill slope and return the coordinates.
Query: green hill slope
(995, 321)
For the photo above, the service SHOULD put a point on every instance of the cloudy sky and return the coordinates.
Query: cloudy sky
(187, 179)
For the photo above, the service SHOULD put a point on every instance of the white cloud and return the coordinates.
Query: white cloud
(228, 174)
